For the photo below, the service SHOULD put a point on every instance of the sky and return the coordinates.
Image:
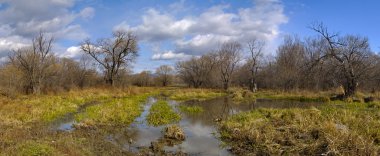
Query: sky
(169, 31)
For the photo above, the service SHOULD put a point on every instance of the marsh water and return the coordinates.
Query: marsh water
(199, 128)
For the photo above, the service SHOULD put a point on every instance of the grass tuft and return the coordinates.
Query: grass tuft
(326, 130)
(191, 109)
(194, 94)
(31, 148)
(161, 113)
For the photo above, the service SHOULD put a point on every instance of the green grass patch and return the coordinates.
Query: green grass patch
(118, 111)
(297, 96)
(46, 108)
(162, 113)
(191, 109)
(32, 148)
(195, 94)
(350, 129)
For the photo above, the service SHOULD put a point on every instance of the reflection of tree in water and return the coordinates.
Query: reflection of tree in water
(229, 107)
(226, 109)
(219, 108)
(121, 137)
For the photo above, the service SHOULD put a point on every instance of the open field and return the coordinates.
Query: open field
(333, 127)
(25, 120)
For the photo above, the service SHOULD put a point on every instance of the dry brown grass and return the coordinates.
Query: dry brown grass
(352, 130)
(25, 119)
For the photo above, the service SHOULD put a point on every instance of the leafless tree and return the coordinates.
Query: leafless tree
(350, 55)
(228, 57)
(164, 74)
(143, 78)
(113, 53)
(290, 61)
(196, 71)
(33, 61)
(255, 47)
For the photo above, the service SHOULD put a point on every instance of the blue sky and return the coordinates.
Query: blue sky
(176, 30)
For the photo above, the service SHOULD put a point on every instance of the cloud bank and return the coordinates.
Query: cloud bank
(196, 35)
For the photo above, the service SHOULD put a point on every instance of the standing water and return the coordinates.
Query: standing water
(200, 128)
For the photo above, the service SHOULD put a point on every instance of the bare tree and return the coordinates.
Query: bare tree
(164, 74)
(255, 48)
(228, 56)
(143, 78)
(113, 53)
(290, 61)
(197, 71)
(350, 55)
(33, 61)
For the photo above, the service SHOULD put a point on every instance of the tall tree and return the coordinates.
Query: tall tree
(113, 53)
(33, 61)
(197, 71)
(164, 74)
(290, 61)
(228, 56)
(255, 48)
(350, 55)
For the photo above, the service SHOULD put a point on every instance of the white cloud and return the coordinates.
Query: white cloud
(169, 55)
(71, 52)
(87, 12)
(20, 20)
(199, 34)
(3, 59)
(159, 27)
(7, 44)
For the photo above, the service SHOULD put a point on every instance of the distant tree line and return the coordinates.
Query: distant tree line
(324, 62)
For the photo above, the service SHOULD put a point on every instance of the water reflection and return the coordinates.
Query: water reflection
(66, 122)
(200, 128)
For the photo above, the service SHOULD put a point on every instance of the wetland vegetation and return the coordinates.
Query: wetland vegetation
(316, 96)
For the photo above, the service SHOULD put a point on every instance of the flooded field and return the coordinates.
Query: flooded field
(199, 128)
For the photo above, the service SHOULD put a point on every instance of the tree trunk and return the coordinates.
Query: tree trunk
(252, 85)
(225, 85)
(110, 81)
(350, 88)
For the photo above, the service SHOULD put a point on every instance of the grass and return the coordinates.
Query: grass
(302, 96)
(161, 113)
(115, 112)
(184, 94)
(338, 128)
(46, 108)
(353, 129)
(241, 95)
(35, 149)
(191, 109)
(25, 120)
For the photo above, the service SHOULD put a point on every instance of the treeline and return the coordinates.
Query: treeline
(326, 61)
